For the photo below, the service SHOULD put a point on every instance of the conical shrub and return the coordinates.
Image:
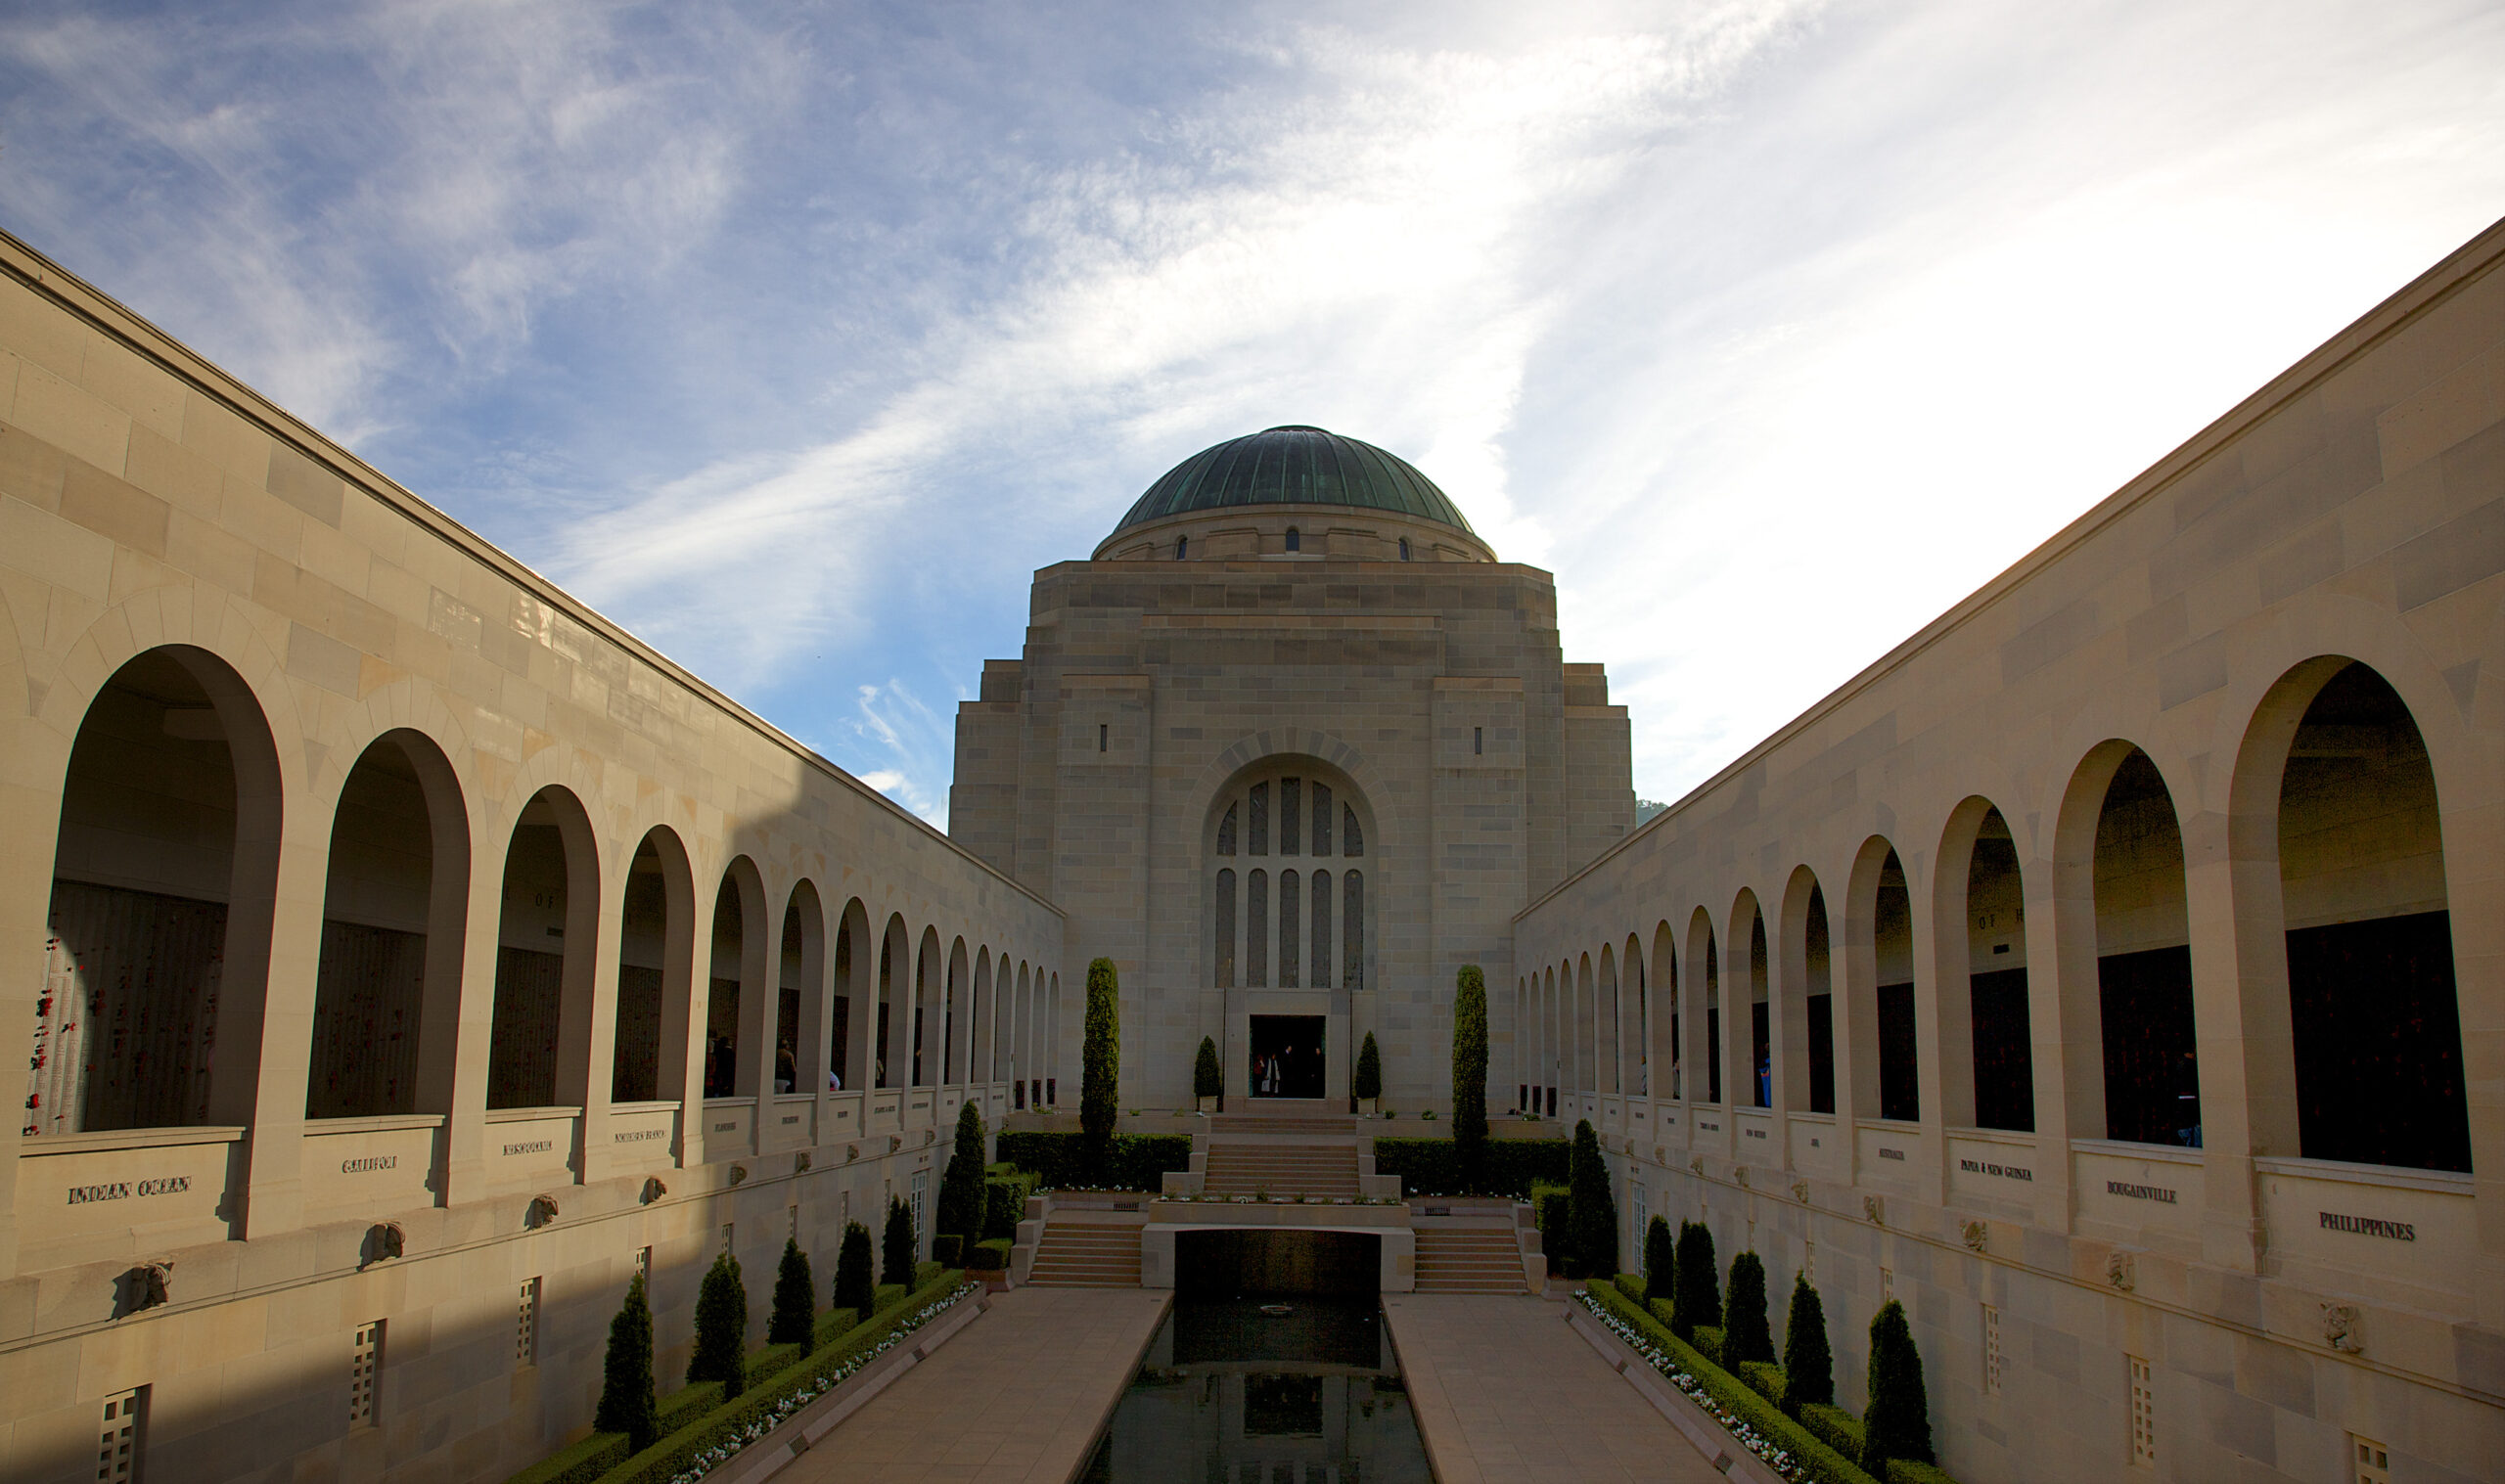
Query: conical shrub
(1100, 1070)
(1469, 1076)
(1207, 1080)
(1591, 1211)
(1748, 1336)
(1896, 1424)
(1698, 1297)
(626, 1402)
(1808, 1367)
(961, 1186)
(1661, 1262)
(796, 1299)
(721, 1329)
(896, 1244)
(856, 1285)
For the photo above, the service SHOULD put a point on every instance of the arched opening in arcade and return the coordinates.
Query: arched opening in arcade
(2373, 1015)
(389, 979)
(733, 1059)
(655, 936)
(1809, 1000)
(164, 875)
(1988, 931)
(848, 1043)
(1665, 1015)
(543, 956)
(1613, 1072)
(1883, 1030)
(896, 1011)
(799, 1039)
(1759, 1067)
(1706, 960)
(2149, 1052)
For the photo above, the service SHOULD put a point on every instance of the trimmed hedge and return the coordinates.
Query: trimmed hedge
(670, 1457)
(1004, 1201)
(596, 1457)
(990, 1255)
(1433, 1167)
(1823, 1462)
(1053, 1157)
(1550, 1205)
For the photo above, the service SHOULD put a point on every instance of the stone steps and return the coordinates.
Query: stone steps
(1469, 1261)
(1087, 1254)
(1281, 1170)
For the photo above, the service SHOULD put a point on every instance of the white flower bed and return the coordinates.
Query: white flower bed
(1771, 1452)
(817, 1386)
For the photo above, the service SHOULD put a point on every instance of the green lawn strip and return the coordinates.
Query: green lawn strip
(1811, 1459)
(677, 1454)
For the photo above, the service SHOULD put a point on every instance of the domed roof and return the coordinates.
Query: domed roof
(1294, 465)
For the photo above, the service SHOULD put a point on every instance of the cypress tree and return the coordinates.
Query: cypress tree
(1591, 1212)
(1101, 1070)
(961, 1187)
(1698, 1297)
(626, 1403)
(1367, 1081)
(1207, 1080)
(795, 1298)
(1808, 1367)
(1660, 1265)
(1469, 1076)
(1748, 1338)
(856, 1287)
(721, 1329)
(1897, 1423)
(896, 1244)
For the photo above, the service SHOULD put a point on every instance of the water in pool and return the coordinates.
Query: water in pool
(1254, 1391)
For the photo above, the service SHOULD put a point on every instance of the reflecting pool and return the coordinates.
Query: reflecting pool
(1251, 1391)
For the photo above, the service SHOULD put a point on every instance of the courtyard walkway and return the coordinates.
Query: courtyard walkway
(1019, 1397)
(1505, 1391)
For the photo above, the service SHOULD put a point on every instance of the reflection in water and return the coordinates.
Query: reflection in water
(1230, 1395)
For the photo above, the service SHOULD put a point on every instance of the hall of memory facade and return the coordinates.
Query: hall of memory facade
(408, 955)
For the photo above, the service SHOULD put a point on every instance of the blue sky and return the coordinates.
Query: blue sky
(796, 337)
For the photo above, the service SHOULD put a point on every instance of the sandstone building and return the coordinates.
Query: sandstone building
(407, 955)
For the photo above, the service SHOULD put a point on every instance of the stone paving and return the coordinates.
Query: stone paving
(1504, 1390)
(1019, 1397)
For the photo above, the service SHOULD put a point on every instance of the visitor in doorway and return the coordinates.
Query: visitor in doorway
(834, 1080)
(786, 1068)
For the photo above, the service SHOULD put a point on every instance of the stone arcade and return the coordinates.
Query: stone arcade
(407, 955)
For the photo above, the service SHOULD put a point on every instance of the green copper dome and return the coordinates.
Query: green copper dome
(1294, 465)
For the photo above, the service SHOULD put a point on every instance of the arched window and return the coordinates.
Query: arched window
(1295, 540)
(1182, 547)
(2371, 995)
(2149, 1053)
(1404, 548)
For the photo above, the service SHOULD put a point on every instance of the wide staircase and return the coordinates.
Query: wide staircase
(1087, 1254)
(1277, 1169)
(1468, 1260)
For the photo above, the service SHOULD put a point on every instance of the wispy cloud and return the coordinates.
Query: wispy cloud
(796, 336)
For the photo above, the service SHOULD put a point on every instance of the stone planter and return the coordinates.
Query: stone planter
(1209, 1104)
(1365, 1106)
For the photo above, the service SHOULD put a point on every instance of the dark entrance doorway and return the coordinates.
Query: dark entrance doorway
(1287, 1057)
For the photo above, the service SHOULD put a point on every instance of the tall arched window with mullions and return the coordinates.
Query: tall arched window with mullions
(1283, 922)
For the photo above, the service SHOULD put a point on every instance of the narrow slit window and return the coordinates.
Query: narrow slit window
(1104, 737)
(1352, 931)
(1222, 950)
(1295, 539)
(1322, 929)
(1479, 742)
(1256, 941)
(1291, 935)
(1404, 548)
(1182, 547)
